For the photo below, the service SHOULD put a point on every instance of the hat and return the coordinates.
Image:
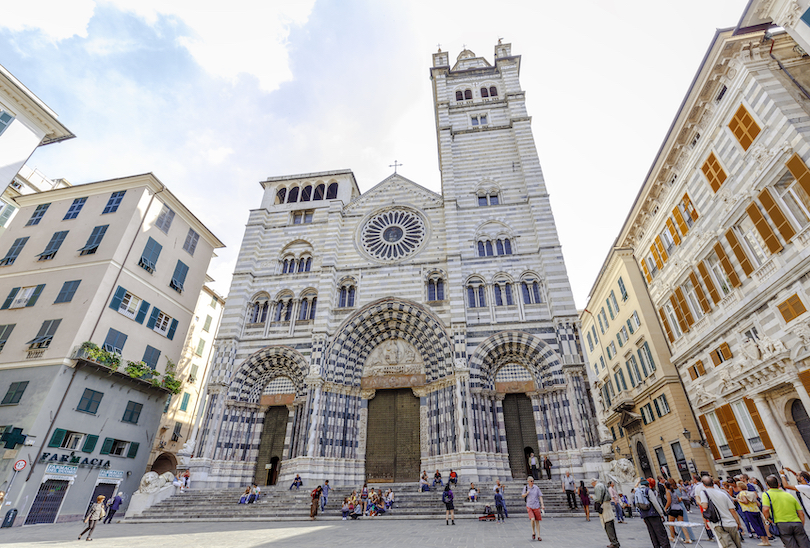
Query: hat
(645, 483)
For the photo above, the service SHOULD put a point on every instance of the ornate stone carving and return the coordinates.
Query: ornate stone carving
(184, 455)
(151, 482)
(622, 471)
(750, 349)
(393, 357)
(367, 394)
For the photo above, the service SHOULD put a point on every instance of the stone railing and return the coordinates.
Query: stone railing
(764, 272)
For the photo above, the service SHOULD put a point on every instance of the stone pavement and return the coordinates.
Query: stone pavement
(556, 532)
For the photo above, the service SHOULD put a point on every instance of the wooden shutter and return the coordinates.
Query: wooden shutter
(704, 302)
(687, 203)
(739, 252)
(699, 367)
(777, 215)
(709, 438)
(661, 249)
(714, 172)
(682, 226)
(666, 324)
(791, 308)
(715, 357)
(673, 232)
(646, 272)
(678, 313)
(704, 273)
(763, 228)
(687, 314)
(763, 434)
(657, 258)
(693, 373)
(726, 351)
(799, 170)
(727, 267)
(731, 429)
(744, 128)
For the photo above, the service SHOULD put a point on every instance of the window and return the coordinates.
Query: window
(207, 325)
(476, 295)
(635, 321)
(651, 264)
(15, 393)
(45, 335)
(67, 292)
(94, 241)
(5, 333)
(744, 128)
(257, 311)
(191, 241)
(503, 293)
(165, 218)
(752, 240)
(39, 212)
(178, 426)
(162, 323)
(720, 95)
(795, 198)
(331, 191)
(479, 120)
(613, 433)
(5, 120)
(489, 199)
(150, 357)
(200, 347)
(435, 289)
(306, 194)
(632, 371)
(193, 375)
(213, 303)
(590, 342)
(71, 440)
(493, 91)
(714, 172)
(119, 447)
(307, 311)
(53, 246)
(302, 217)
(647, 414)
(130, 305)
(622, 289)
(622, 336)
(645, 356)
(661, 405)
(23, 297)
(619, 377)
(692, 300)
(602, 361)
(595, 338)
(184, 402)
(133, 412)
(90, 401)
(115, 341)
(612, 304)
(718, 274)
(114, 202)
(721, 354)
(749, 430)
(179, 276)
(697, 370)
(304, 264)
(484, 92)
(14, 251)
(283, 310)
(667, 241)
(792, 308)
(718, 435)
(611, 350)
(149, 257)
(603, 317)
(74, 209)
(347, 293)
(531, 292)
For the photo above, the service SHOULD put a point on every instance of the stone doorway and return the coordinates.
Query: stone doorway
(272, 445)
(392, 447)
(644, 461)
(521, 434)
(802, 421)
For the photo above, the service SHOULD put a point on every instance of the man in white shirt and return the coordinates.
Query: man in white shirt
(727, 530)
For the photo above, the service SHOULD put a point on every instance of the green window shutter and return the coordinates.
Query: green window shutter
(142, 312)
(133, 450)
(106, 447)
(115, 304)
(184, 403)
(90, 444)
(35, 295)
(10, 298)
(57, 438)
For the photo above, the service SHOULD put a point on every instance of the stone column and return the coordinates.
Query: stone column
(500, 427)
(575, 411)
(315, 388)
(775, 431)
(363, 432)
(295, 305)
(462, 403)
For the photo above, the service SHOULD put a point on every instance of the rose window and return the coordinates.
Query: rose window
(393, 235)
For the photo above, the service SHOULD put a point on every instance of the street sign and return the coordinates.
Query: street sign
(20, 465)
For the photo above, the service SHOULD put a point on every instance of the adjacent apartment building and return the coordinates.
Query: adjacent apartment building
(99, 284)
(721, 231)
(639, 394)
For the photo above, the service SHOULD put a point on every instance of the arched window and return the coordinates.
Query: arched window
(467, 94)
(499, 247)
(488, 245)
(280, 195)
(283, 310)
(484, 92)
(307, 311)
(507, 246)
(346, 296)
(459, 96)
(491, 198)
(531, 292)
(307, 193)
(319, 192)
(503, 293)
(288, 263)
(304, 264)
(257, 311)
(331, 192)
(493, 91)
(481, 252)
(435, 289)
(288, 309)
(308, 266)
(293, 195)
(303, 314)
(476, 294)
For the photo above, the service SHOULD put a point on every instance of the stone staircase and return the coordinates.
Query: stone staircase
(280, 504)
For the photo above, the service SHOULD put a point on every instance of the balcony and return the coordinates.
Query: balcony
(764, 272)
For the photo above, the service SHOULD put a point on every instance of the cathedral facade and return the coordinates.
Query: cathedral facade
(368, 337)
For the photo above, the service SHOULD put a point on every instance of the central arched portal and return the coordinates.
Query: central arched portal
(521, 434)
(392, 449)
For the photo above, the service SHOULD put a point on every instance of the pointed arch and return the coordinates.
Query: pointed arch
(262, 367)
(520, 347)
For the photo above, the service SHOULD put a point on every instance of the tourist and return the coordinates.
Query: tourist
(186, 479)
(584, 499)
(569, 488)
(449, 509)
(254, 494)
(626, 507)
(325, 496)
(112, 507)
(424, 485)
(296, 483)
(437, 478)
(502, 489)
(316, 498)
(803, 483)
(93, 516)
(499, 505)
(750, 508)
(453, 478)
(674, 508)
(651, 511)
(602, 504)
(547, 466)
(364, 498)
(784, 510)
(533, 465)
(727, 530)
(534, 505)
(614, 500)
(345, 509)
(473, 495)
(244, 498)
(683, 494)
(389, 499)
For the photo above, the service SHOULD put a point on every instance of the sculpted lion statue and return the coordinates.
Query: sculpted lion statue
(623, 470)
(152, 482)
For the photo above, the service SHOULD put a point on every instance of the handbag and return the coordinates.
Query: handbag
(773, 529)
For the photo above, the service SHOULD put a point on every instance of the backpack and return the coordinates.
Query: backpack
(711, 513)
(644, 502)
(446, 497)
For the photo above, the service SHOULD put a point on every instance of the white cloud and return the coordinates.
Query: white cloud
(56, 19)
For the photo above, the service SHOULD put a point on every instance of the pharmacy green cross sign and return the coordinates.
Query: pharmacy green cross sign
(12, 437)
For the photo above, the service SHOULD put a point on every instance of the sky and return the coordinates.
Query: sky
(213, 97)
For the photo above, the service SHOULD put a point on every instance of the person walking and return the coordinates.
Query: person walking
(604, 506)
(616, 502)
(316, 498)
(112, 507)
(749, 505)
(533, 465)
(570, 490)
(584, 499)
(784, 510)
(449, 509)
(325, 494)
(547, 466)
(728, 529)
(534, 505)
(652, 513)
(93, 516)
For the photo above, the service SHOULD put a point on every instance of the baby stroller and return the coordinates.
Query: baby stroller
(489, 515)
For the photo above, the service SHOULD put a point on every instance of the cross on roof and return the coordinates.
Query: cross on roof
(440, 47)
(395, 165)
(12, 438)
